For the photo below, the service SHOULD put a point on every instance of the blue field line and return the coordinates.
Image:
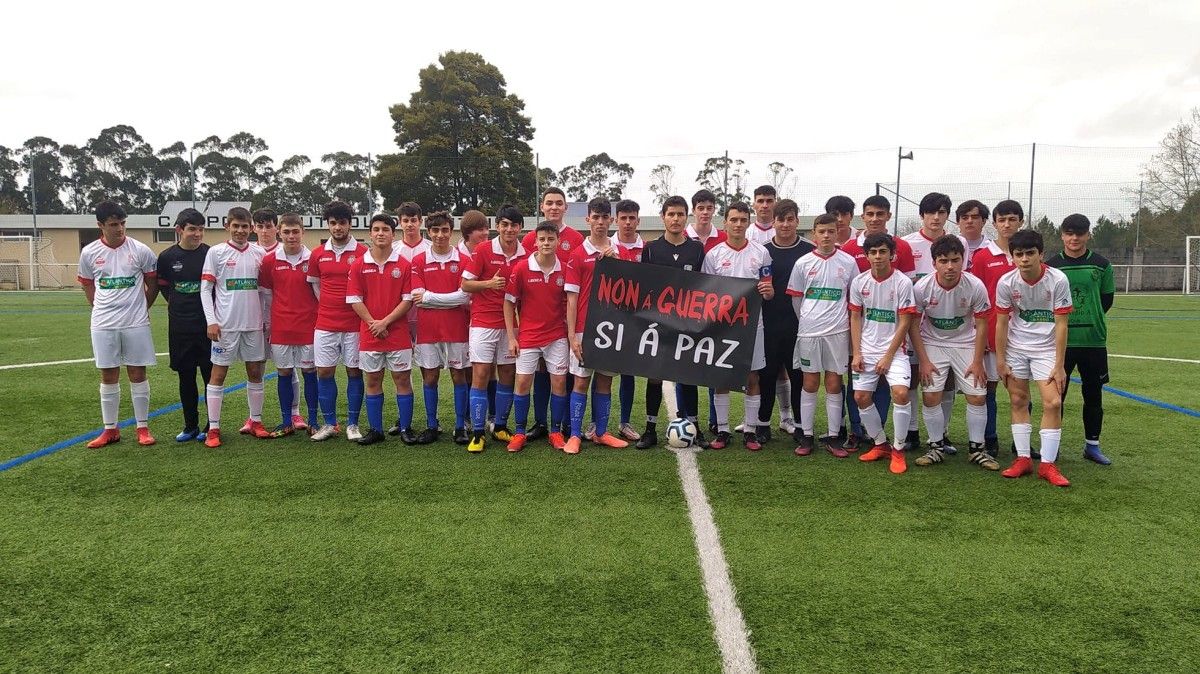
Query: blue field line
(45, 451)
(1148, 401)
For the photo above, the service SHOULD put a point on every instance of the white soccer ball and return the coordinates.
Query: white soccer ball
(681, 433)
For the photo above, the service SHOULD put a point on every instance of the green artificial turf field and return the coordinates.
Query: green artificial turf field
(290, 555)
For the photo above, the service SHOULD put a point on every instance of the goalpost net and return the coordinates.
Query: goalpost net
(1191, 271)
(28, 263)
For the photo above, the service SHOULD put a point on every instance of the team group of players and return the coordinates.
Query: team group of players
(506, 315)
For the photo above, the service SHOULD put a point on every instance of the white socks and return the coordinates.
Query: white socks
(752, 403)
(721, 401)
(935, 423)
(872, 424)
(1050, 438)
(833, 412)
(254, 394)
(140, 392)
(213, 395)
(901, 417)
(783, 393)
(1021, 434)
(808, 410)
(976, 422)
(110, 404)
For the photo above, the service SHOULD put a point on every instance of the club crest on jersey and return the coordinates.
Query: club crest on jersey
(866, 292)
(565, 245)
(1016, 295)
(304, 267)
(558, 281)
(351, 259)
(1047, 295)
(453, 267)
(100, 262)
(933, 301)
(395, 273)
(687, 267)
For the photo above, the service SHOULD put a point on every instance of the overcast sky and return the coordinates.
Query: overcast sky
(637, 80)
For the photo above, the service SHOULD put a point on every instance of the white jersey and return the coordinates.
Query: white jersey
(744, 262)
(462, 249)
(119, 275)
(233, 273)
(922, 260)
(882, 302)
(948, 314)
(1032, 307)
(758, 234)
(971, 247)
(819, 286)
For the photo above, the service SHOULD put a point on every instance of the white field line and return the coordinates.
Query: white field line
(1169, 360)
(19, 366)
(729, 628)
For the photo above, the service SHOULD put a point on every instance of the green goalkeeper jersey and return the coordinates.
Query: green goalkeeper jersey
(1091, 276)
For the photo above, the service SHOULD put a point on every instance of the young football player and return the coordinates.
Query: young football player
(780, 325)
(842, 208)
(117, 274)
(283, 281)
(764, 212)
(672, 249)
(554, 209)
(442, 327)
(335, 339)
(971, 215)
(473, 228)
(934, 210)
(536, 289)
(1032, 304)
(819, 285)
(629, 247)
(881, 318)
(1092, 290)
(579, 273)
(233, 310)
(739, 257)
(266, 235)
(991, 262)
(378, 289)
(954, 308)
(179, 269)
(704, 207)
(485, 278)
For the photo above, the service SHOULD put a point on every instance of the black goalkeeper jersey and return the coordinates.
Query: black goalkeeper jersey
(179, 281)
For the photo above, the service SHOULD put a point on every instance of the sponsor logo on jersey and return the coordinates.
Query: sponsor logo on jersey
(187, 287)
(116, 282)
(933, 301)
(177, 266)
(880, 315)
(1036, 315)
(952, 323)
(832, 294)
(241, 284)
(686, 267)
(99, 262)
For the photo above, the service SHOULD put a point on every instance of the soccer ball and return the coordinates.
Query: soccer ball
(681, 433)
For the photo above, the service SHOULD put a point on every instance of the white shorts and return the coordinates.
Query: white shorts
(952, 359)
(554, 353)
(396, 361)
(899, 374)
(291, 356)
(123, 346)
(331, 348)
(443, 354)
(576, 368)
(989, 366)
(758, 360)
(1030, 366)
(829, 353)
(247, 346)
(489, 345)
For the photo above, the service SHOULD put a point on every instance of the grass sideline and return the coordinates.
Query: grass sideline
(293, 555)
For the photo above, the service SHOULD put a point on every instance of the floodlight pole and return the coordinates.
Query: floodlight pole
(1032, 166)
(370, 191)
(1137, 218)
(900, 157)
(192, 171)
(33, 193)
(537, 178)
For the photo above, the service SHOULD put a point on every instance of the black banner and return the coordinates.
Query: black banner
(665, 323)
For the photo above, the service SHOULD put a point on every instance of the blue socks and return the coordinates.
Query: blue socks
(284, 387)
(521, 412)
(989, 431)
(404, 403)
(431, 404)
(491, 398)
(541, 396)
(327, 394)
(577, 405)
(558, 410)
(601, 410)
(461, 392)
(310, 396)
(504, 401)
(354, 399)
(479, 408)
(375, 411)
